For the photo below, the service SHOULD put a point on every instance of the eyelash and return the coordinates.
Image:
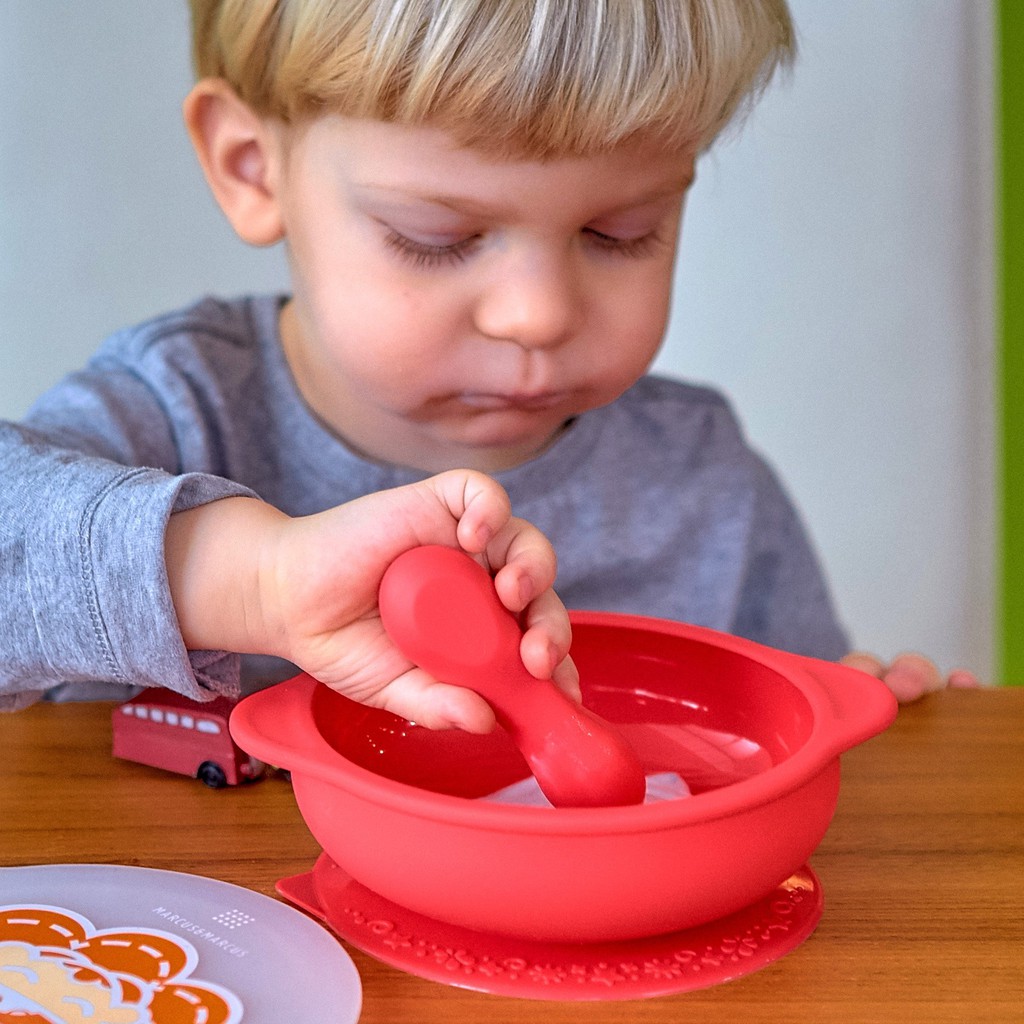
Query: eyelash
(635, 247)
(424, 255)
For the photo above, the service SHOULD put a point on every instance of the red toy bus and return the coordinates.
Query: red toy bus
(162, 729)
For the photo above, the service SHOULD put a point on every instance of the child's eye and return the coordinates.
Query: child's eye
(426, 254)
(639, 246)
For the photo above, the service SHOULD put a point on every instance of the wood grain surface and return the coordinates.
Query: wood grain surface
(922, 870)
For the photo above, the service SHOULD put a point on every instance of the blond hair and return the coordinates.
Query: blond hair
(531, 78)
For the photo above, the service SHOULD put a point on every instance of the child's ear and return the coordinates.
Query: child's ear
(239, 154)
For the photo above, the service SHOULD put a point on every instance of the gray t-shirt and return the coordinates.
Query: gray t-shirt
(655, 504)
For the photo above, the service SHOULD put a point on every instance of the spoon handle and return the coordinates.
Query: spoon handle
(441, 610)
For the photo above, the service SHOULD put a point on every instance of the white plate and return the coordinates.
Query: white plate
(144, 940)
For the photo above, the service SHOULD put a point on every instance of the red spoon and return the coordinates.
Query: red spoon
(442, 612)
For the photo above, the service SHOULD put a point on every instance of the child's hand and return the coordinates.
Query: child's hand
(910, 676)
(305, 589)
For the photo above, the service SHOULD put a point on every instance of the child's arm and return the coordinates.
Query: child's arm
(83, 587)
(910, 676)
(245, 577)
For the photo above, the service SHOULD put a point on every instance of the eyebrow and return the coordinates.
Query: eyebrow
(466, 204)
(456, 203)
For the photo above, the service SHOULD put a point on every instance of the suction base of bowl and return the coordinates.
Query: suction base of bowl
(683, 961)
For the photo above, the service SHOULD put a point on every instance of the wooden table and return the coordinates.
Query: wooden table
(922, 869)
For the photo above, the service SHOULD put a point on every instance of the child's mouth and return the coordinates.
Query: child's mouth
(520, 402)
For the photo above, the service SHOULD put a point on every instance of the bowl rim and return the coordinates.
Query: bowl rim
(260, 720)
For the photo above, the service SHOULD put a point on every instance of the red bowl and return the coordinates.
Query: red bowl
(755, 732)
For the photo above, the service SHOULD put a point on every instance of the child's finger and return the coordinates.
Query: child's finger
(419, 697)
(864, 662)
(567, 678)
(961, 679)
(546, 635)
(479, 505)
(528, 566)
(911, 676)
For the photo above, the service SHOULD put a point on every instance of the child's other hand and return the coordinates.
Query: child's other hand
(245, 577)
(910, 676)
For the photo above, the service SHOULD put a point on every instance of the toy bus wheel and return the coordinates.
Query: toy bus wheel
(211, 774)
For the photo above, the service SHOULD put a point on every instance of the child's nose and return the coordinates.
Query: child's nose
(535, 303)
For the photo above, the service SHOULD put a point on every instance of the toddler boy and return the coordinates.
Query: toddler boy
(481, 202)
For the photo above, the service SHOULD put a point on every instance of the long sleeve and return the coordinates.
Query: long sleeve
(657, 505)
(188, 407)
(783, 598)
(83, 586)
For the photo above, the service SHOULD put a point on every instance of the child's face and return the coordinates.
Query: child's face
(454, 310)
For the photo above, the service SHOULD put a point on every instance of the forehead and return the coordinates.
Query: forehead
(420, 162)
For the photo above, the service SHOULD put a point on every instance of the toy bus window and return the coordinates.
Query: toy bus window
(171, 717)
(127, 709)
(141, 712)
(157, 715)
(187, 722)
(205, 725)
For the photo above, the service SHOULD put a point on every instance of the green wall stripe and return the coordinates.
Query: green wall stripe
(1010, 136)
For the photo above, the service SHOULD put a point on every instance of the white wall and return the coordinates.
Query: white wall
(836, 281)
(835, 277)
(104, 215)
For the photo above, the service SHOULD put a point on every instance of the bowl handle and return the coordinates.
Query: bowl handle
(273, 725)
(862, 705)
